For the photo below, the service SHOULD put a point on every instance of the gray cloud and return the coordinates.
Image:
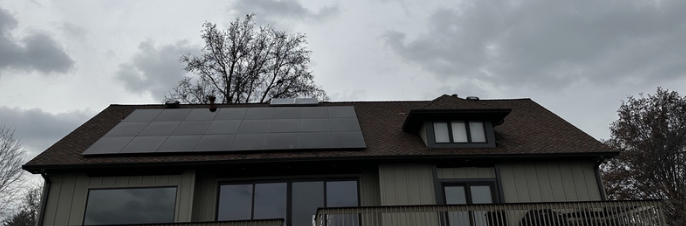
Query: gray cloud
(72, 30)
(154, 69)
(38, 129)
(551, 44)
(272, 11)
(35, 51)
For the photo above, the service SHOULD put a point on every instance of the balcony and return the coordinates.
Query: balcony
(600, 213)
(268, 222)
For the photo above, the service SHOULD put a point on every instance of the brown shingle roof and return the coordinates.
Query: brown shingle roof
(528, 129)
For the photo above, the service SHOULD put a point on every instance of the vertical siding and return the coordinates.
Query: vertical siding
(465, 172)
(66, 204)
(549, 182)
(406, 184)
(204, 205)
(369, 188)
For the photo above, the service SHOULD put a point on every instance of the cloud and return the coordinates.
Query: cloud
(273, 11)
(154, 69)
(38, 129)
(36, 51)
(550, 44)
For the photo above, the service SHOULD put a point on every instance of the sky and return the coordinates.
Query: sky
(62, 62)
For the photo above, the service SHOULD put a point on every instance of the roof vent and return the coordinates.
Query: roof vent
(172, 104)
(474, 98)
(294, 102)
(454, 95)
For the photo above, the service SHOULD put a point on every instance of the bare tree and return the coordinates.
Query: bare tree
(247, 64)
(11, 174)
(651, 137)
(27, 215)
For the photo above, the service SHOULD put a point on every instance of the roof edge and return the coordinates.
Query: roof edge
(36, 169)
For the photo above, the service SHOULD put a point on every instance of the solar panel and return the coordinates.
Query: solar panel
(179, 143)
(259, 113)
(306, 101)
(200, 114)
(315, 140)
(127, 129)
(143, 115)
(172, 115)
(232, 129)
(230, 113)
(314, 125)
(344, 124)
(315, 113)
(282, 101)
(108, 145)
(159, 128)
(284, 125)
(248, 142)
(347, 140)
(254, 126)
(287, 113)
(144, 144)
(220, 142)
(191, 128)
(223, 127)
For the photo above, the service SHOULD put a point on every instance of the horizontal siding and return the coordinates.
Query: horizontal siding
(66, 204)
(549, 182)
(465, 172)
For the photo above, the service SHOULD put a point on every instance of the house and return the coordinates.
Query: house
(448, 161)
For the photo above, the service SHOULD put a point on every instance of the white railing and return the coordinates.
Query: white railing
(595, 213)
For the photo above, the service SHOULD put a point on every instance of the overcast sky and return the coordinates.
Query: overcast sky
(61, 62)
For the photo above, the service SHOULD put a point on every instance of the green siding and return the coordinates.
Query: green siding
(465, 172)
(549, 182)
(68, 194)
(406, 184)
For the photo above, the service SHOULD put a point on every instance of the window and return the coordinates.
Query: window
(294, 201)
(130, 206)
(459, 133)
(468, 193)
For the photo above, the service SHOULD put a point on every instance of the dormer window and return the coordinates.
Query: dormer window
(459, 132)
(455, 128)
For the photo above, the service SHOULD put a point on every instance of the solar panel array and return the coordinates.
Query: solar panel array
(232, 129)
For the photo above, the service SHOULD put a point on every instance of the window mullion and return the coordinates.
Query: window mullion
(450, 131)
(468, 131)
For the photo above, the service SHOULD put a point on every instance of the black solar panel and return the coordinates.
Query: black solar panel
(232, 129)
(143, 115)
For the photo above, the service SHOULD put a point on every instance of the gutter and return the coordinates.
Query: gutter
(44, 198)
(598, 178)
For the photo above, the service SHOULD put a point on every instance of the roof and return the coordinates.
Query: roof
(528, 129)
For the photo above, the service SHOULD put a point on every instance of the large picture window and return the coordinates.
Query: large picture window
(130, 206)
(294, 201)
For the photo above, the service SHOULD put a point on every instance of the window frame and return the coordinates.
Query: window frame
(176, 201)
(289, 188)
(442, 183)
(488, 130)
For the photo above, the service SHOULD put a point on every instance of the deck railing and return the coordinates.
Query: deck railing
(268, 222)
(595, 213)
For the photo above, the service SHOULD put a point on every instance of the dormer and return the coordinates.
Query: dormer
(454, 127)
